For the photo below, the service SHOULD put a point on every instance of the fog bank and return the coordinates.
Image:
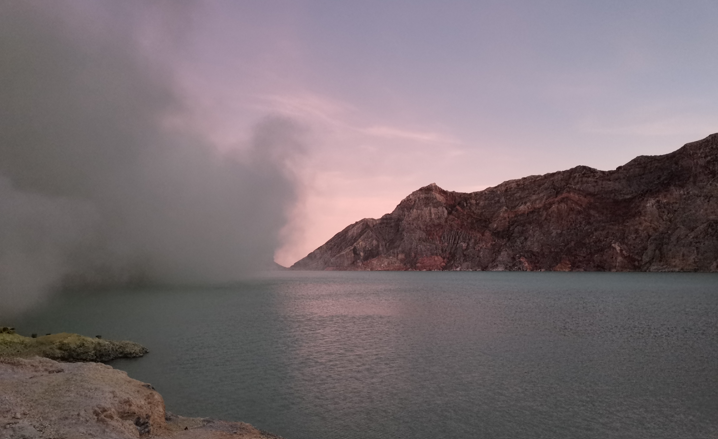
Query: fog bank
(102, 179)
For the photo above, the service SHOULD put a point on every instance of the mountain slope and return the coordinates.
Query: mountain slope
(655, 213)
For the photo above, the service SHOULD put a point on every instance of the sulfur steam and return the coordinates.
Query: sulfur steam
(96, 186)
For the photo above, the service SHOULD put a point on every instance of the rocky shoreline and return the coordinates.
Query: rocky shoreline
(78, 398)
(67, 347)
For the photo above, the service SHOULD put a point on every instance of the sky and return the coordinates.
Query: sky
(331, 111)
(398, 94)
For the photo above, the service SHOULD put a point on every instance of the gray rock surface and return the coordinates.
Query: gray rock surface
(655, 213)
(42, 398)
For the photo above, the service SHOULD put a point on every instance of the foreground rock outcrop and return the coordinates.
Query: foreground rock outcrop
(656, 213)
(67, 347)
(42, 398)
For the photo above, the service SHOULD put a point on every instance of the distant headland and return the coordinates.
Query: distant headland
(655, 213)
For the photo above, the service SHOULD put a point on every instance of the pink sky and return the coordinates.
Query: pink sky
(466, 94)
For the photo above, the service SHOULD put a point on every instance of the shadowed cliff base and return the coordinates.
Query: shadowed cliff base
(655, 213)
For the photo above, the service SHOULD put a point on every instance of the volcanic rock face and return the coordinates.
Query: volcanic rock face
(656, 213)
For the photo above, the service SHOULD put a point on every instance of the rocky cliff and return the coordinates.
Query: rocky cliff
(655, 213)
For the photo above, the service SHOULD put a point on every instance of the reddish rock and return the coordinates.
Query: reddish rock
(430, 263)
(656, 213)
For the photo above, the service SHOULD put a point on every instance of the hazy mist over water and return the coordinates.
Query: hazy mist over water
(102, 178)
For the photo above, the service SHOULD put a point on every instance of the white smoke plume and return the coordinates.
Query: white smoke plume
(96, 186)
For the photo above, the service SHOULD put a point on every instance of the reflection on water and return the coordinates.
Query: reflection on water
(425, 355)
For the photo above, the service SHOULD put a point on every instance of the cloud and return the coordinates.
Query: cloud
(309, 105)
(96, 187)
(398, 133)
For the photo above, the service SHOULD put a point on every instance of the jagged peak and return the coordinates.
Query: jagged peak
(433, 187)
(710, 137)
(706, 144)
(705, 147)
(581, 168)
(431, 191)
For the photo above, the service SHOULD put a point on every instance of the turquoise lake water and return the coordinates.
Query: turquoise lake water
(424, 354)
